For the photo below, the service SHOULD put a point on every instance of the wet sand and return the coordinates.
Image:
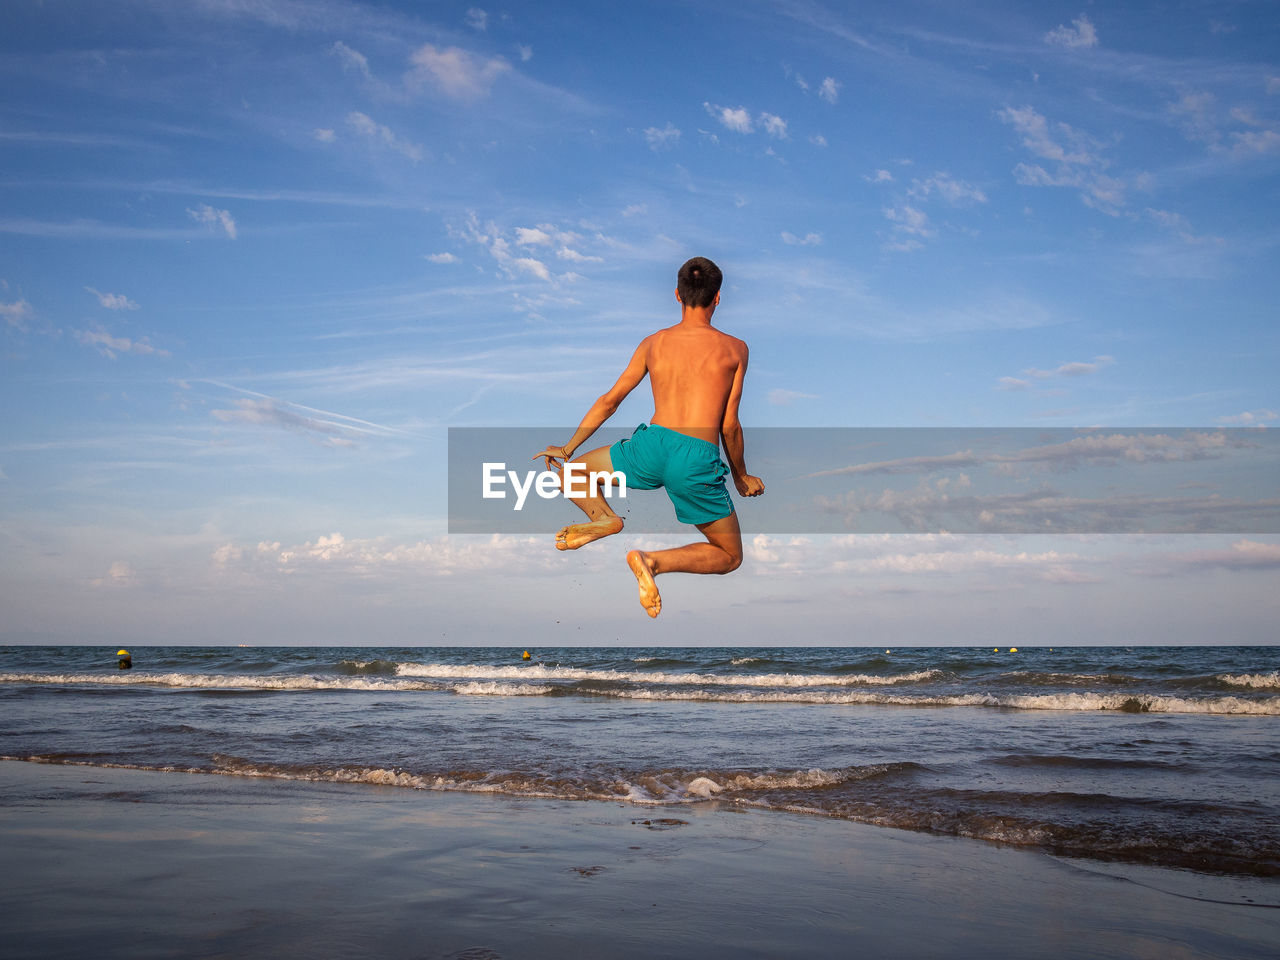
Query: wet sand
(123, 863)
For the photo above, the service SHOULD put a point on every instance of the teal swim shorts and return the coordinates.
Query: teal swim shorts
(688, 467)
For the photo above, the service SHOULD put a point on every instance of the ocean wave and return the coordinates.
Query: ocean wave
(473, 681)
(468, 671)
(213, 681)
(1258, 681)
(878, 794)
(1062, 701)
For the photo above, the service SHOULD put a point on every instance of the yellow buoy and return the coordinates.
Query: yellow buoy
(1013, 649)
(527, 656)
(122, 653)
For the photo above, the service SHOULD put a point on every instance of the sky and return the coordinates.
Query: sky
(259, 257)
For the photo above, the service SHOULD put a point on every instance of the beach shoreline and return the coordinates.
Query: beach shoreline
(110, 862)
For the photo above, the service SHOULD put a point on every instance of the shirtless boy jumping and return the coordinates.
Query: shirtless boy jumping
(696, 373)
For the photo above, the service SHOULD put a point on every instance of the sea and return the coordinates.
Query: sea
(1159, 756)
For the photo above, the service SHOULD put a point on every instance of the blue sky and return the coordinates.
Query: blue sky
(257, 256)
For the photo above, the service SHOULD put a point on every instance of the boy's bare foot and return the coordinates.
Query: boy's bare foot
(575, 535)
(642, 567)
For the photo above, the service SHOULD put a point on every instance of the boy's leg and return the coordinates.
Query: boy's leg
(601, 520)
(722, 553)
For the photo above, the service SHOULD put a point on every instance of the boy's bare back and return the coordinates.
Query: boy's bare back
(693, 370)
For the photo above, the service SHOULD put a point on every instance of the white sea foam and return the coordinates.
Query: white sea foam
(494, 688)
(215, 681)
(1260, 681)
(1050, 701)
(770, 688)
(539, 671)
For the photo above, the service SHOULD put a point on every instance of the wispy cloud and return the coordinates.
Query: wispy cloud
(441, 258)
(477, 19)
(1073, 368)
(830, 90)
(1177, 223)
(112, 346)
(211, 217)
(379, 133)
(16, 314)
(661, 139)
(955, 192)
(808, 240)
(910, 226)
(1091, 449)
(1077, 158)
(1080, 35)
(113, 301)
(351, 60)
(1250, 418)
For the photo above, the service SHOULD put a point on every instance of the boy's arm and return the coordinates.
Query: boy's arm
(605, 405)
(731, 436)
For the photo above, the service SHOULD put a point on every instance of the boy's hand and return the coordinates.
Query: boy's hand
(749, 486)
(552, 454)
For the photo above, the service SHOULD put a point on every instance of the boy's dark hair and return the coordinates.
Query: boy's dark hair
(698, 282)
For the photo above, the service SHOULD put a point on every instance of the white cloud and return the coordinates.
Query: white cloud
(324, 134)
(1013, 383)
(16, 314)
(830, 90)
(455, 72)
(634, 210)
(808, 240)
(525, 51)
(1074, 368)
(1077, 155)
(530, 236)
(1250, 418)
(530, 265)
(568, 253)
(110, 346)
(910, 222)
(955, 192)
(737, 120)
(477, 19)
(441, 258)
(668, 136)
(881, 176)
(818, 140)
(1081, 34)
(211, 217)
(1041, 140)
(774, 126)
(351, 60)
(113, 301)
